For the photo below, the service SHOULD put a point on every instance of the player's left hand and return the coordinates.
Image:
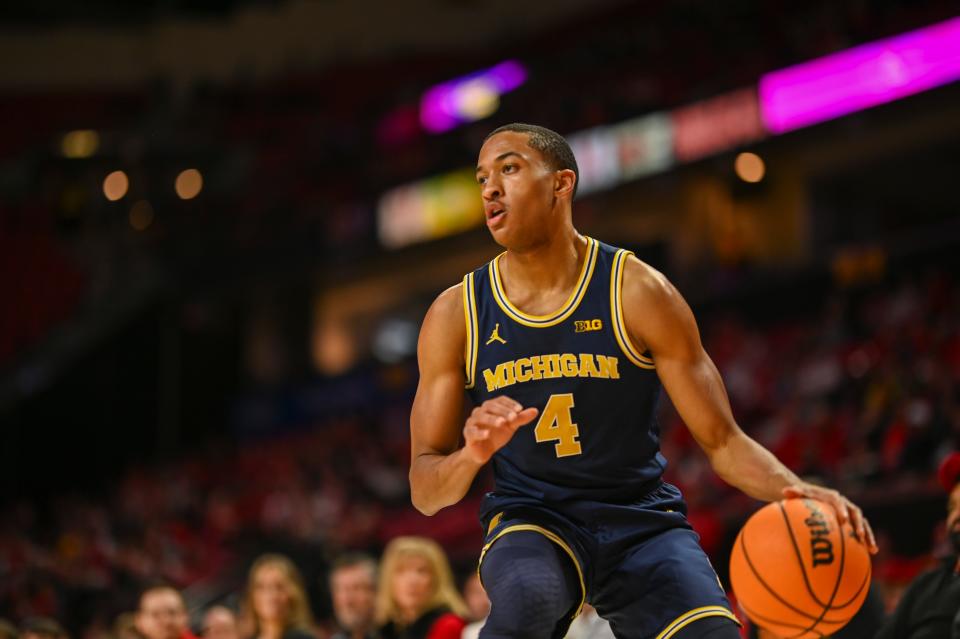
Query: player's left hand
(846, 510)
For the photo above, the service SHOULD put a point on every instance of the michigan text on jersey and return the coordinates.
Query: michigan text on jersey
(527, 369)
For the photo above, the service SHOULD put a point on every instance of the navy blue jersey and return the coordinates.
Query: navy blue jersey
(596, 436)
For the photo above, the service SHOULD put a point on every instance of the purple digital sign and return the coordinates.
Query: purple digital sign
(861, 77)
(469, 98)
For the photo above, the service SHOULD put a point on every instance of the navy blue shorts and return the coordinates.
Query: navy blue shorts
(640, 564)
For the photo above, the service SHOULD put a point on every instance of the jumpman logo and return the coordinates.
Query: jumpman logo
(495, 336)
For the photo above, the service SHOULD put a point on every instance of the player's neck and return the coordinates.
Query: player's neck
(553, 265)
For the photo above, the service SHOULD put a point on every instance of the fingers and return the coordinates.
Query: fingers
(871, 539)
(525, 416)
(846, 510)
(472, 432)
(498, 413)
(502, 411)
(861, 527)
(792, 492)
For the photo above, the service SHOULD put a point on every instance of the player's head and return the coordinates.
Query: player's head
(415, 577)
(552, 146)
(949, 476)
(528, 177)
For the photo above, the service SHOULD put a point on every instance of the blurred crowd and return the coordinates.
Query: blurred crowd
(863, 394)
(410, 593)
(292, 169)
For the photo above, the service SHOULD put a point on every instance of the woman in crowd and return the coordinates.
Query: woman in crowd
(275, 604)
(416, 595)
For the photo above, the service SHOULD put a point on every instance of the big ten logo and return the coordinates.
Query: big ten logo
(585, 326)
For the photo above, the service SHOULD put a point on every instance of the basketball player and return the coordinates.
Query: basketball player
(562, 343)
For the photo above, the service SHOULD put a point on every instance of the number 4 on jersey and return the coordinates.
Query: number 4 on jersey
(556, 424)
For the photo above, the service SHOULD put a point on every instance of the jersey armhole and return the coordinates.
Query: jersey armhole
(470, 318)
(616, 313)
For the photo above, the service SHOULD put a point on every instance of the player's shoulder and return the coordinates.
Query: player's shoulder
(445, 317)
(643, 283)
(449, 303)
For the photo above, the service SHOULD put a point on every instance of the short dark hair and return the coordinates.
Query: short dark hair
(554, 147)
(351, 559)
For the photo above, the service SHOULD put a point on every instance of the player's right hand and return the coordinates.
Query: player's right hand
(491, 425)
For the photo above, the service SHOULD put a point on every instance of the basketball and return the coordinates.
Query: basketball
(796, 572)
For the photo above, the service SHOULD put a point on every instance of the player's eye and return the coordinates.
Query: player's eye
(509, 168)
(481, 180)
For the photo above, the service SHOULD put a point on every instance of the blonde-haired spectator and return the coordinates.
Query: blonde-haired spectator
(275, 604)
(416, 594)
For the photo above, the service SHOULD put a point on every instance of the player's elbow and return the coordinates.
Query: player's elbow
(425, 509)
(422, 504)
(421, 499)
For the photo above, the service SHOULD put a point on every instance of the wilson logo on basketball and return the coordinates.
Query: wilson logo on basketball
(821, 547)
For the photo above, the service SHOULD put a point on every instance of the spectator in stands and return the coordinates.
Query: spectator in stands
(416, 596)
(353, 588)
(125, 626)
(930, 608)
(478, 605)
(219, 622)
(162, 614)
(275, 605)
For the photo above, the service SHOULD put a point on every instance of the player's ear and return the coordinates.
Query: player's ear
(565, 180)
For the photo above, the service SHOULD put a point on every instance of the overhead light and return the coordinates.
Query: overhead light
(115, 185)
(188, 184)
(80, 144)
(750, 167)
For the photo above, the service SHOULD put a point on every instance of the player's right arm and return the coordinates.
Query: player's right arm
(441, 469)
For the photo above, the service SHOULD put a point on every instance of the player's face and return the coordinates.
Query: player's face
(518, 190)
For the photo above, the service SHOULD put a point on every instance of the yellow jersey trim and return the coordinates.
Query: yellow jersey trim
(696, 614)
(616, 312)
(552, 537)
(543, 321)
(470, 318)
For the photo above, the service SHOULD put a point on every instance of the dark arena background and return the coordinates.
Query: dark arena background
(222, 222)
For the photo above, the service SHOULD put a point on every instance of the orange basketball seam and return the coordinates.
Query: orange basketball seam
(776, 595)
(866, 580)
(756, 573)
(796, 550)
(822, 624)
(755, 615)
(825, 620)
(836, 585)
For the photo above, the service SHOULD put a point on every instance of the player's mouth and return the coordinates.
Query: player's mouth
(495, 214)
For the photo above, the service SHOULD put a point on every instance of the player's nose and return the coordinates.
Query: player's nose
(491, 190)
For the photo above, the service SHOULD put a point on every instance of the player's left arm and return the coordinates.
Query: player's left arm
(658, 319)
